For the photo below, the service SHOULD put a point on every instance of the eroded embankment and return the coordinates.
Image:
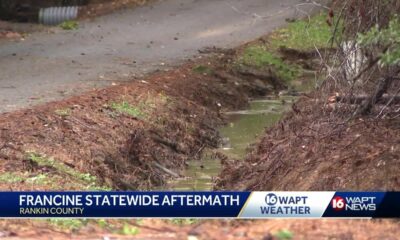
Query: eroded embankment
(314, 147)
(123, 137)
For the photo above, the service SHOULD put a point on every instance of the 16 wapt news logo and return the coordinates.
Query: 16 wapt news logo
(364, 203)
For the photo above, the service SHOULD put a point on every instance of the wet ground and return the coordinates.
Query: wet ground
(242, 130)
(129, 43)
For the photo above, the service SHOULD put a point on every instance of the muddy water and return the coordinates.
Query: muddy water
(241, 131)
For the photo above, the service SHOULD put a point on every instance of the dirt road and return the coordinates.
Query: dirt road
(129, 43)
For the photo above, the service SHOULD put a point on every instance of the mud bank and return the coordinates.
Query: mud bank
(131, 136)
(315, 148)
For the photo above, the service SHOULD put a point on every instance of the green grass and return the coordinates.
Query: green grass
(123, 227)
(143, 108)
(9, 177)
(126, 108)
(284, 235)
(68, 224)
(84, 180)
(69, 25)
(41, 179)
(303, 34)
(129, 230)
(15, 177)
(202, 69)
(261, 57)
(183, 222)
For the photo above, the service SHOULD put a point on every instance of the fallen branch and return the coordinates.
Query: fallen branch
(376, 97)
(173, 145)
(166, 170)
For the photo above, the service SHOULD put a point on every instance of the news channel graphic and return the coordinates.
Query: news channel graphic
(243, 205)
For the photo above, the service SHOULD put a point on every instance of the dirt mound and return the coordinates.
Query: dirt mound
(312, 149)
(131, 136)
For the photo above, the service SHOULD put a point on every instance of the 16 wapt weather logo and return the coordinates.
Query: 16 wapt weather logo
(286, 204)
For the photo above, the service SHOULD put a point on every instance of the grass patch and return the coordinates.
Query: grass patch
(69, 25)
(303, 34)
(9, 177)
(129, 230)
(63, 112)
(126, 108)
(183, 222)
(202, 69)
(40, 179)
(122, 227)
(86, 180)
(68, 224)
(144, 108)
(284, 235)
(260, 57)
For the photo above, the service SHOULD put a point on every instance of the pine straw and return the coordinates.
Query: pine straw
(313, 149)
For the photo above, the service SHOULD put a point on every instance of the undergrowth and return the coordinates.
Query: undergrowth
(261, 57)
(69, 25)
(303, 35)
(126, 108)
(83, 180)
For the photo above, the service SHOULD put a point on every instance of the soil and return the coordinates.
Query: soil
(179, 115)
(314, 149)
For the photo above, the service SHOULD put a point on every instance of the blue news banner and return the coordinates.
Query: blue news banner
(248, 205)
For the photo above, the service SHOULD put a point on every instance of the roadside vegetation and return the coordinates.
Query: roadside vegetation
(69, 25)
(126, 108)
(58, 173)
(260, 57)
(284, 235)
(203, 69)
(282, 51)
(120, 227)
(143, 109)
(303, 35)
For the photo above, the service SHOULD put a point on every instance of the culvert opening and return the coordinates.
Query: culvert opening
(39, 11)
